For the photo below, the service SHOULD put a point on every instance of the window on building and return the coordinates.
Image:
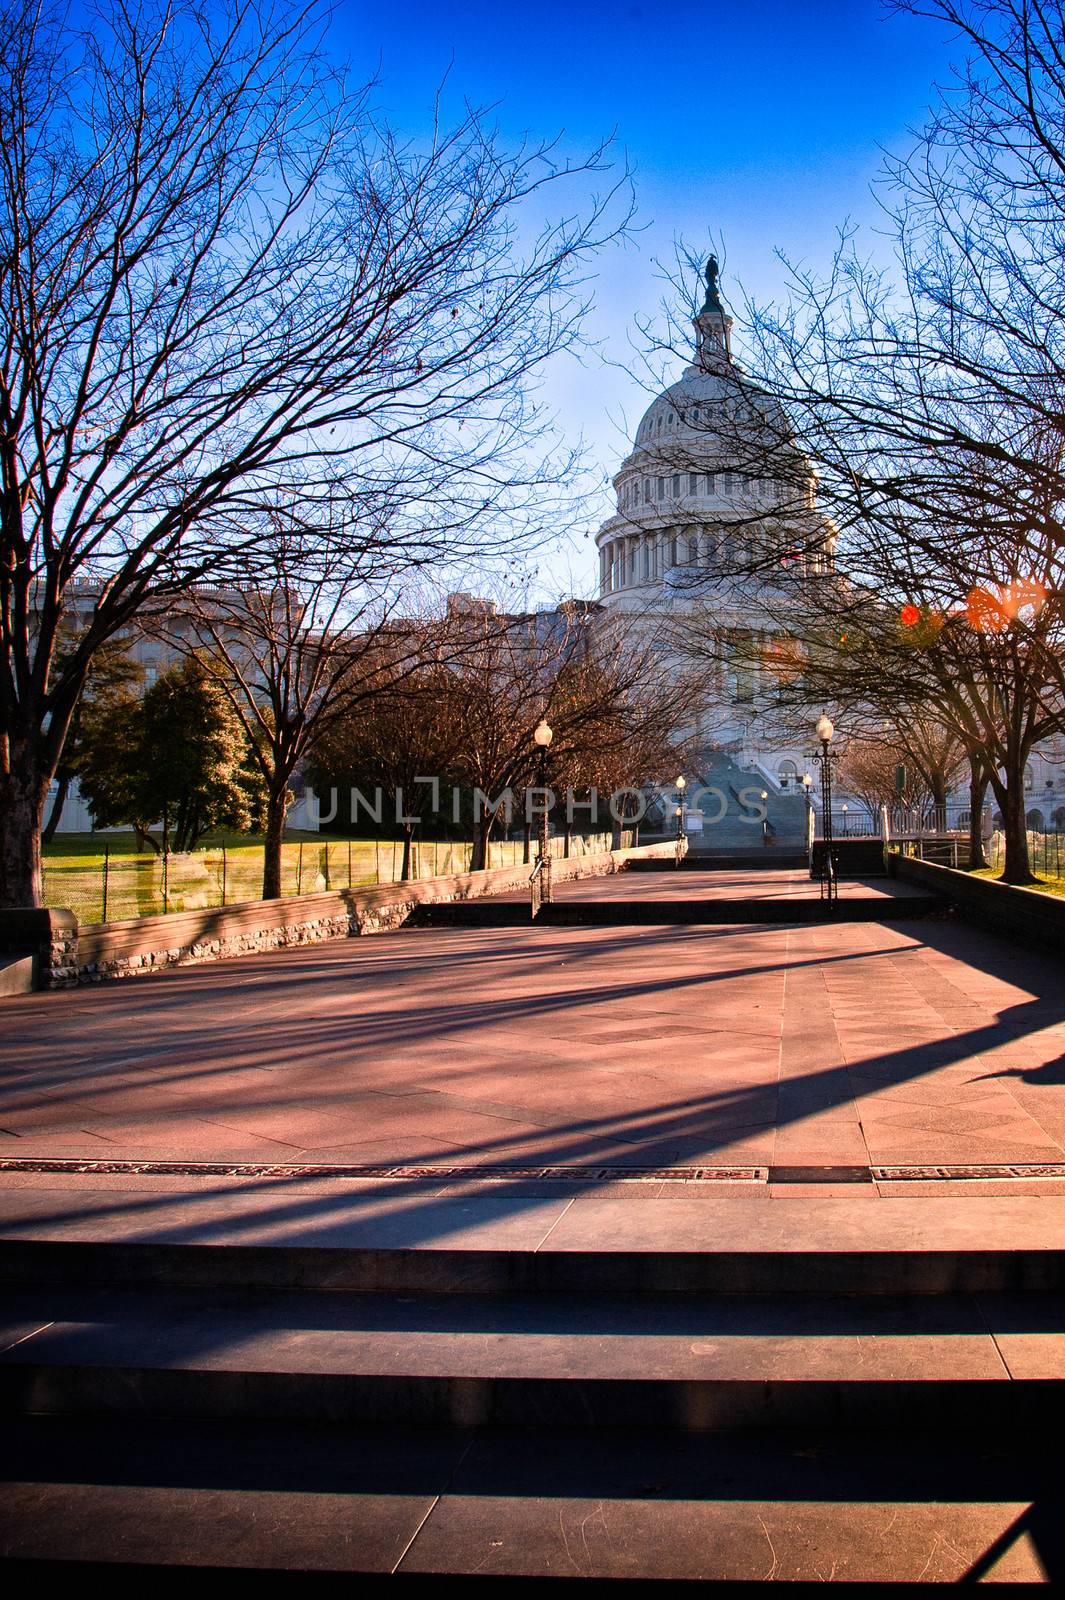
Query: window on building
(711, 482)
(693, 483)
(661, 488)
(647, 490)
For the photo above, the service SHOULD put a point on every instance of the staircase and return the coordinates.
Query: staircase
(738, 841)
(849, 1390)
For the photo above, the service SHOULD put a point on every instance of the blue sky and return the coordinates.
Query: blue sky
(757, 123)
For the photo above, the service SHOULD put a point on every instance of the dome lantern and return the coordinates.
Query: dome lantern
(713, 325)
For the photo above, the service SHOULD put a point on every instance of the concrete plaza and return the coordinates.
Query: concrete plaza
(271, 1367)
(797, 1046)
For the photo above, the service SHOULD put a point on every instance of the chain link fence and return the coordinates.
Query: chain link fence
(1046, 852)
(110, 884)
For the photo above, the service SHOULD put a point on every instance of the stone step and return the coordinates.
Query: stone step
(610, 913)
(703, 856)
(391, 1236)
(855, 858)
(689, 1363)
(142, 1496)
(709, 857)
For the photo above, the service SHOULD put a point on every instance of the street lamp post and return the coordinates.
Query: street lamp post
(542, 736)
(682, 783)
(846, 812)
(825, 731)
(807, 794)
(763, 797)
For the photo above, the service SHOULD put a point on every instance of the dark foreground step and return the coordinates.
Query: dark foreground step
(565, 1506)
(789, 1263)
(687, 1363)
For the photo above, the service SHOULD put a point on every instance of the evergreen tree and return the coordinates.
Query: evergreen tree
(178, 755)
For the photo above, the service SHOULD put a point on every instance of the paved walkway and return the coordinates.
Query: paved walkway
(738, 883)
(817, 1045)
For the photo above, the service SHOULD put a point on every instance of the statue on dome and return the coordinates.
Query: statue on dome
(712, 303)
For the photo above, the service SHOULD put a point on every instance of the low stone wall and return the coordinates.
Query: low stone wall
(1025, 914)
(49, 937)
(67, 954)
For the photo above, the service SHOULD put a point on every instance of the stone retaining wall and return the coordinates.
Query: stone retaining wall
(67, 954)
(1028, 915)
(50, 937)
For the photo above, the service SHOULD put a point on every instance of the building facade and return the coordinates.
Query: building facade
(713, 497)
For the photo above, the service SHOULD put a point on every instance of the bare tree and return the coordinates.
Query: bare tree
(393, 743)
(223, 279)
(301, 643)
(596, 687)
(913, 760)
(929, 398)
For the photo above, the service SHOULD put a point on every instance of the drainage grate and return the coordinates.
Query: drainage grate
(1045, 1169)
(848, 1174)
(454, 1173)
(433, 1174)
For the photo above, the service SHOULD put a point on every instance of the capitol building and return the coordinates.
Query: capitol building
(713, 500)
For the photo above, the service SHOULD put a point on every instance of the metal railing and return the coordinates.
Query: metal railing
(918, 821)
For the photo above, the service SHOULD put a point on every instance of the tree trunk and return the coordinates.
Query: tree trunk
(408, 836)
(978, 781)
(1017, 868)
(481, 833)
(23, 793)
(526, 844)
(276, 810)
(62, 790)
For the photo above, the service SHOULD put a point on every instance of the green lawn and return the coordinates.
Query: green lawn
(1051, 885)
(104, 877)
(120, 881)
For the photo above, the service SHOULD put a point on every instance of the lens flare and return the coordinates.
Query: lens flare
(991, 611)
(985, 613)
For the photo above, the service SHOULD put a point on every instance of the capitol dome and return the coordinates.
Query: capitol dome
(714, 487)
